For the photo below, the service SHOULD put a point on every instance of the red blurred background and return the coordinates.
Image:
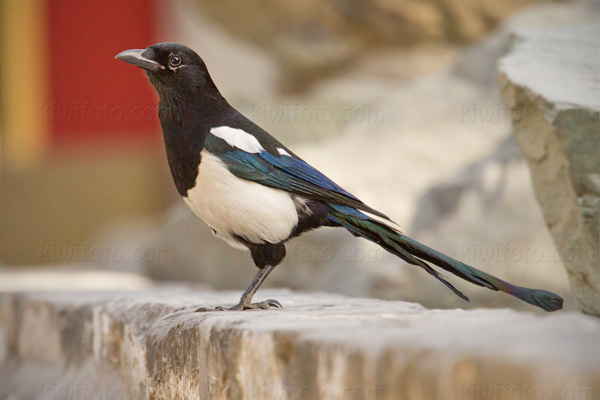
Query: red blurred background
(90, 94)
(81, 142)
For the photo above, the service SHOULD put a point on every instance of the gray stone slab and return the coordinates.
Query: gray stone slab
(150, 344)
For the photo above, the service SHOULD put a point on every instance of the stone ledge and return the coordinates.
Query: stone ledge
(150, 344)
(549, 81)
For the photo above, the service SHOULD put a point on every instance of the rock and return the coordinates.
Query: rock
(314, 39)
(151, 345)
(550, 82)
(443, 200)
(478, 63)
(242, 73)
(489, 211)
(73, 278)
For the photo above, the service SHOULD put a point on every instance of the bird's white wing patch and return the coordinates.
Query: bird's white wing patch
(282, 152)
(238, 138)
(231, 205)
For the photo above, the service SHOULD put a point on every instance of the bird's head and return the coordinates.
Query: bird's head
(173, 69)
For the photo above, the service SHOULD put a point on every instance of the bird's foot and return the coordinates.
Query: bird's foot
(241, 306)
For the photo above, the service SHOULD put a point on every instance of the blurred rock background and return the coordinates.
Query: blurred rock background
(397, 101)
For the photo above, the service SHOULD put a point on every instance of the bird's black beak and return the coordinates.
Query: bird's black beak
(137, 58)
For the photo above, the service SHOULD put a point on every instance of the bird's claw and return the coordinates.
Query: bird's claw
(263, 305)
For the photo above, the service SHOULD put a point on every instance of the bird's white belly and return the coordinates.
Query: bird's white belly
(230, 205)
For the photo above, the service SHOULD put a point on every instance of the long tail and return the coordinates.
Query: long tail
(413, 252)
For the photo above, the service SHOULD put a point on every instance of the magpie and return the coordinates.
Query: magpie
(256, 194)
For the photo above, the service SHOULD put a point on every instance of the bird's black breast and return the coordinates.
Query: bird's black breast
(184, 169)
(183, 155)
(185, 126)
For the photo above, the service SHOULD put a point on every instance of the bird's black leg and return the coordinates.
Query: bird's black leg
(246, 299)
(266, 257)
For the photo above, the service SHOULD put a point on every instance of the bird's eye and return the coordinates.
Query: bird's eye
(174, 61)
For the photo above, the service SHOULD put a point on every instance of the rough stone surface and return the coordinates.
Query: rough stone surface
(550, 81)
(151, 345)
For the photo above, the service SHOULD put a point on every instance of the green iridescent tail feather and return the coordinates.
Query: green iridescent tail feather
(413, 252)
